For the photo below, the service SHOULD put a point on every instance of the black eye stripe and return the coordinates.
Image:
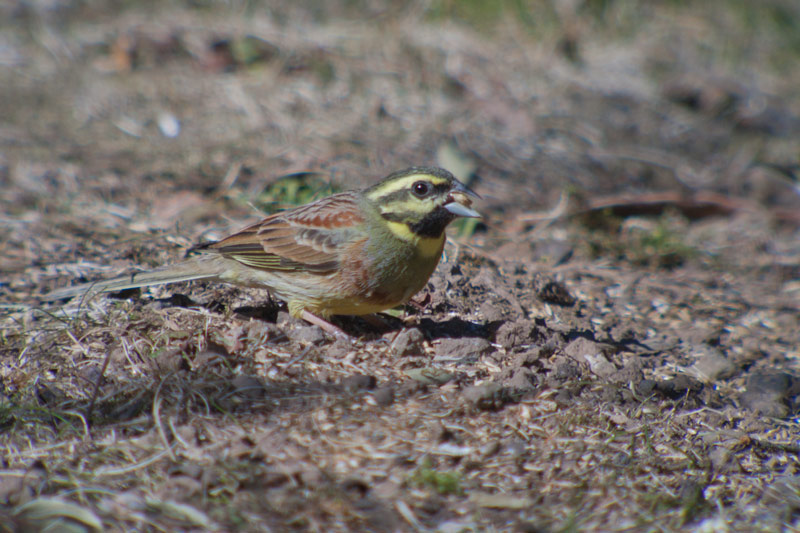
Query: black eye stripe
(442, 187)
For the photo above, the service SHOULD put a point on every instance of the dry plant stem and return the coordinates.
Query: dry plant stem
(96, 390)
(157, 419)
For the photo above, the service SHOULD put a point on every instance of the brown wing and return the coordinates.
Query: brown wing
(306, 238)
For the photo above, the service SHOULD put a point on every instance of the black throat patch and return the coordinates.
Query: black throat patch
(431, 225)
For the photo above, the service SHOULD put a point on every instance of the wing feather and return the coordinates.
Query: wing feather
(307, 238)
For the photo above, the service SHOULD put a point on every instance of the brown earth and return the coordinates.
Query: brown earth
(615, 348)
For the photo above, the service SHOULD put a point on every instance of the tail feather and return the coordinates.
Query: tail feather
(193, 269)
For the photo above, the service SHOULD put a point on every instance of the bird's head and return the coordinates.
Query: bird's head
(419, 202)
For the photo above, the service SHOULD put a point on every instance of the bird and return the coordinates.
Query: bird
(352, 253)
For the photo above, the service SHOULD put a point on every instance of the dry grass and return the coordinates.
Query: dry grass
(202, 407)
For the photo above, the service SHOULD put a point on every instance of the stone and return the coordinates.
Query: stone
(306, 334)
(465, 348)
(513, 334)
(408, 342)
(631, 373)
(679, 386)
(766, 393)
(711, 365)
(486, 396)
(384, 396)
(565, 370)
(358, 382)
(522, 381)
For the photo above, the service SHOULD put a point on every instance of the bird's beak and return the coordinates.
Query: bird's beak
(459, 202)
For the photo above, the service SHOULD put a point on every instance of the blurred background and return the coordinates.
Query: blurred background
(139, 114)
(593, 95)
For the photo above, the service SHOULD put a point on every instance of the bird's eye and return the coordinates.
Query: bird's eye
(421, 189)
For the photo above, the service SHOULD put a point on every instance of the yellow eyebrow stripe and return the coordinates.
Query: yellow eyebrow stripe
(404, 183)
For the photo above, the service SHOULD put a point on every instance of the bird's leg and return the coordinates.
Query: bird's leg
(311, 318)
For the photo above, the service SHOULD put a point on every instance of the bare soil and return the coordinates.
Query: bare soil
(616, 347)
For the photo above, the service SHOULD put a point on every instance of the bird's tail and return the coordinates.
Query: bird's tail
(203, 267)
